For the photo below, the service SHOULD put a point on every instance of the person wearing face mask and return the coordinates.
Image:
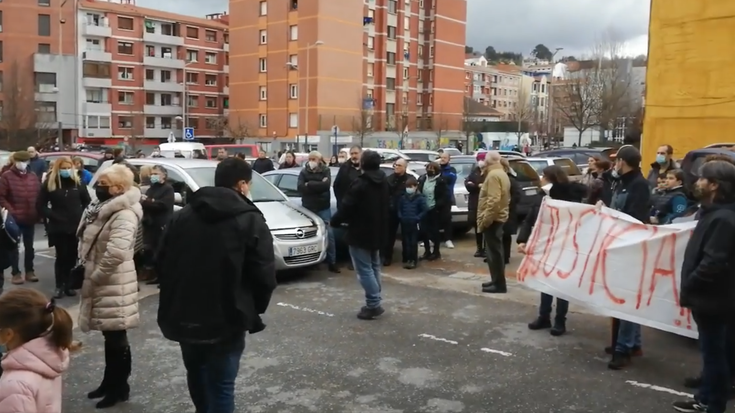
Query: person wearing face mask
(263, 164)
(109, 294)
(156, 153)
(36, 165)
(19, 191)
(397, 184)
(434, 188)
(158, 207)
(411, 210)
(62, 201)
(662, 164)
(314, 184)
(348, 172)
(473, 183)
(238, 261)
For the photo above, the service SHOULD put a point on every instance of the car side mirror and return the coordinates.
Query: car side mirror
(178, 199)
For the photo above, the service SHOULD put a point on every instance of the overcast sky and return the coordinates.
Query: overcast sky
(517, 25)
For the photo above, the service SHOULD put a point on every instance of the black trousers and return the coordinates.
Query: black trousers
(507, 239)
(495, 257)
(445, 223)
(66, 257)
(393, 223)
(478, 240)
(430, 231)
(116, 339)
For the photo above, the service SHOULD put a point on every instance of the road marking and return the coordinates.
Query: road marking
(304, 309)
(502, 353)
(39, 254)
(659, 389)
(435, 338)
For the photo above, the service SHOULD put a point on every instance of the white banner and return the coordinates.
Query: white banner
(611, 263)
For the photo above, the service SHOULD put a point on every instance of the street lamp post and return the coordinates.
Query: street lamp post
(306, 104)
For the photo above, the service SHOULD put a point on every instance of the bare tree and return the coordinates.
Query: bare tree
(524, 110)
(440, 125)
(469, 123)
(19, 111)
(237, 129)
(612, 82)
(362, 125)
(137, 129)
(576, 101)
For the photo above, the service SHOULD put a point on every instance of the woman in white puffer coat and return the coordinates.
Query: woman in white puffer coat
(109, 296)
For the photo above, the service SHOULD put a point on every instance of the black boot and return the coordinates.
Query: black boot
(69, 292)
(118, 389)
(100, 391)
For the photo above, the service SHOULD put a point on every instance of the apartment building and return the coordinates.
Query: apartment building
(501, 87)
(140, 74)
(387, 66)
(539, 101)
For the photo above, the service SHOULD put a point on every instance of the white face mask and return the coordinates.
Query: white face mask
(312, 165)
(21, 166)
(481, 164)
(547, 188)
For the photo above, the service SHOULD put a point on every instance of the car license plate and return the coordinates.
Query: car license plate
(531, 192)
(304, 250)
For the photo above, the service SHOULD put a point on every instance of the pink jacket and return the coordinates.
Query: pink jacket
(31, 380)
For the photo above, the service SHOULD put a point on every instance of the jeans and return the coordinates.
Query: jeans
(393, 223)
(629, 336)
(714, 390)
(562, 308)
(326, 215)
(211, 370)
(66, 257)
(367, 266)
(494, 249)
(27, 232)
(410, 241)
(430, 231)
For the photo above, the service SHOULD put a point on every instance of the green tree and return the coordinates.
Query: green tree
(542, 52)
(469, 49)
(491, 54)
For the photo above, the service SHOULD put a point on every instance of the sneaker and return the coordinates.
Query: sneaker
(370, 313)
(17, 279)
(449, 244)
(558, 329)
(539, 324)
(412, 265)
(689, 406)
(31, 277)
(634, 352)
(619, 361)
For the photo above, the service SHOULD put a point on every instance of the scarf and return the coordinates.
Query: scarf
(90, 214)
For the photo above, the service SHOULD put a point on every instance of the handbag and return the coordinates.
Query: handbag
(76, 276)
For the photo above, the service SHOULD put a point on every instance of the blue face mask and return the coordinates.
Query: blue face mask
(660, 159)
(65, 173)
(410, 191)
(155, 179)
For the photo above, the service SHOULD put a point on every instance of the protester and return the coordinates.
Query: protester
(156, 152)
(158, 207)
(511, 225)
(591, 174)
(348, 172)
(262, 164)
(473, 183)
(600, 186)
(672, 202)
(365, 210)
(492, 212)
(631, 196)
(333, 161)
(662, 164)
(445, 214)
(314, 185)
(290, 161)
(397, 185)
(109, 296)
(341, 158)
(707, 285)
(209, 316)
(106, 156)
(9, 164)
(145, 178)
(433, 187)
(62, 201)
(240, 155)
(555, 183)
(18, 194)
(35, 164)
(221, 154)
(411, 211)
(38, 336)
(85, 177)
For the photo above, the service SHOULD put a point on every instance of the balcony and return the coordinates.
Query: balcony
(96, 30)
(163, 110)
(47, 93)
(165, 62)
(96, 83)
(159, 38)
(163, 86)
(157, 132)
(97, 56)
(98, 107)
(95, 133)
(226, 47)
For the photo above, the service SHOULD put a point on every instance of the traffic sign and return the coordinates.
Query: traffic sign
(188, 134)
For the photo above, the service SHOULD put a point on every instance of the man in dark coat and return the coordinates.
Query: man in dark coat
(397, 184)
(708, 284)
(158, 207)
(511, 225)
(663, 164)
(263, 164)
(348, 172)
(473, 183)
(364, 209)
(36, 165)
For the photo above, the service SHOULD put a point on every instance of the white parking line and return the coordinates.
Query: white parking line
(304, 309)
(435, 338)
(40, 254)
(493, 351)
(659, 389)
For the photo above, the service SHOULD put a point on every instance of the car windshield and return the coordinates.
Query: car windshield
(260, 189)
(538, 165)
(524, 172)
(568, 166)
(452, 151)
(464, 169)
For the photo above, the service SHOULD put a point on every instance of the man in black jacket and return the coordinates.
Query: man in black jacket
(217, 274)
(314, 185)
(348, 172)
(365, 211)
(263, 164)
(397, 185)
(632, 196)
(708, 283)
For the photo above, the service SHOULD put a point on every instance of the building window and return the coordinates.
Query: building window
(125, 48)
(263, 120)
(96, 95)
(405, 73)
(392, 6)
(45, 3)
(44, 48)
(293, 120)
(392, 32)
(406, 23)
(263, 66)
(431, 51)
(370, 68)
(390, 58)
(210, 35)
(193, 123)
(192, 55)
(150, 122)
(210, 58)
(124, 122)
(150, 98)
(293, 60)
(405, 98)
(369, 93)
(210, 80)
(125, 98)
(192, 32)
(371, 43)
(192, 101)
(263, 8)
(390, 83)
(1, 20)
(167, 99)
(165, 76)
(166, 122)
(96, 70)
(263, 36)
(293, 32)
(125, 73)
(150, 74)
(263, 93)
(210, 102)
(44, 25)
(45, 82)
(293, 91)
(192, 78)
(124, 23)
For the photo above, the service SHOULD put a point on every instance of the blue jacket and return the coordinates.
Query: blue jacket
(38, 166)
(450, 177)
(412, 208)
(86, 176)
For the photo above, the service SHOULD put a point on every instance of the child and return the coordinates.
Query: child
(411, 210)
(672, 201)
(38, 336)
(656, 193)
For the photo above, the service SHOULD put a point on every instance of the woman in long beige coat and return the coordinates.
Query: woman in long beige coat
(109, 297)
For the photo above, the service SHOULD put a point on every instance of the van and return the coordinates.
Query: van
(249, 150)
(190, 150)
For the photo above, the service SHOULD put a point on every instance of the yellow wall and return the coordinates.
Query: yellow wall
(690, 84)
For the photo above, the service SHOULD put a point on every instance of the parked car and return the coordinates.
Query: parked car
(695, 158)
(299, 236)
(90, 159)
(530, 182)
(572, 170)
(464, 164)
(248, 149)
(388, 155)
(579, 156)
(503, 153)
(421, 155)
(452, 151)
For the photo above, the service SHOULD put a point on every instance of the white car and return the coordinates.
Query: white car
(573, 172)
(299, 235)
(421, 155)
(388, 155)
